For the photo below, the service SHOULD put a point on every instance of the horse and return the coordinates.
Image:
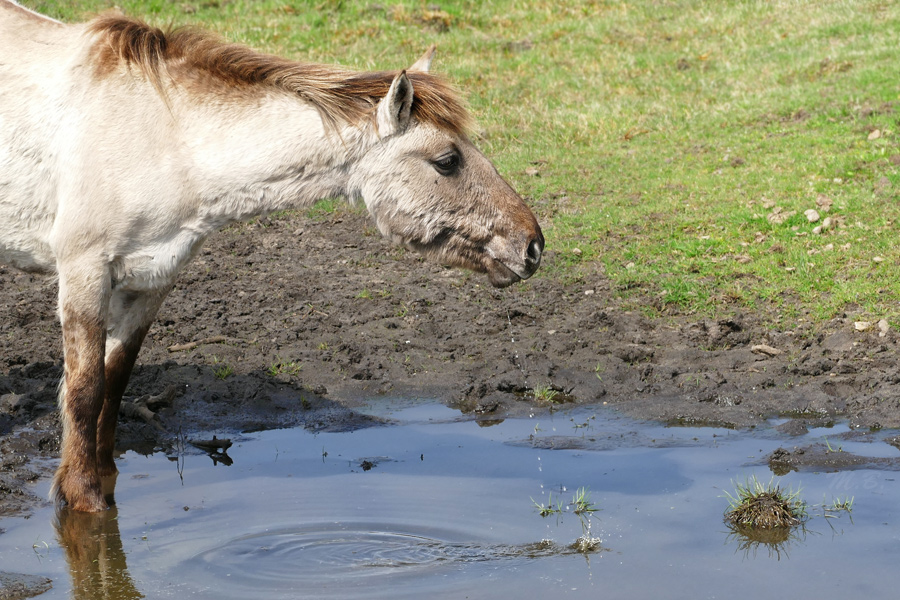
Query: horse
(124, 146)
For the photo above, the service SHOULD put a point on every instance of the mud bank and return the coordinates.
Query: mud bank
(294, 320)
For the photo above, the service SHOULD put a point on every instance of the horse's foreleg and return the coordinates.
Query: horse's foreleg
(130, 316)
(83, 298)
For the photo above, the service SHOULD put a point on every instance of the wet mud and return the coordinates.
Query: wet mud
(295, 320)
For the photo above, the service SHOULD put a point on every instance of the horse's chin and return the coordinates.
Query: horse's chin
(471, 258)
(501, 276)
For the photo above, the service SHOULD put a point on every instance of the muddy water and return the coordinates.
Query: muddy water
(438, 506)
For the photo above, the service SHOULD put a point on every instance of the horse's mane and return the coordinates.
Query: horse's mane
(207, 63)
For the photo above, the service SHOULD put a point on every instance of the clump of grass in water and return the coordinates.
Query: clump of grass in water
(582, 506)
(758, 506)
(545, 510)
(839, 505)
(585, 509)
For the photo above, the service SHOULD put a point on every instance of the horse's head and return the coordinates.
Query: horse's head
(429, 188)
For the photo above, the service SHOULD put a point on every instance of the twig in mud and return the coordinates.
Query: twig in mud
(215, 444)
(140, 411)
(216, 339)
(310, 310)
(160, 401)
(216, 449)
(145, 407)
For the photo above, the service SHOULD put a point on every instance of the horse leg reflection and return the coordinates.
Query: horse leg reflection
(94, 552)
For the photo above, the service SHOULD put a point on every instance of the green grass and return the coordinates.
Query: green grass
(756, 505)
(544, 393)
(221, 369)
(657, 136)
(287, 367)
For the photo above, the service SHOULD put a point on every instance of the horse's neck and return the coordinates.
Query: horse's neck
(257, 158)
(24, 15)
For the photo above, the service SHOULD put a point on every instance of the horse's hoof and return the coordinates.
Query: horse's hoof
(78, 492)
(109, 470)
(88, 505)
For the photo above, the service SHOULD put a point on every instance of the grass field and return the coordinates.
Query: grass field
(672, 145)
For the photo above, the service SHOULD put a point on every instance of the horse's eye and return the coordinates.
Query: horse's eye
(447, 165)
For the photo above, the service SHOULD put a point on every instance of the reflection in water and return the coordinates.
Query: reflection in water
(94, 552)
(448, 516)
(776, 540)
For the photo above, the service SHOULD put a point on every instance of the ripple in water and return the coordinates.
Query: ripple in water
(333, 559)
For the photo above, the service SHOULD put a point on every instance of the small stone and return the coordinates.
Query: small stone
(827, 223)
(862, 325)
(875, 134)
(817, 230)
(629, 266)
(15, 403)
(576, 251)
(588, 292)
(532, 172)
(877, 259)
(812, 215)
(20, 585)
(779, 216)
(883, 327)
(765, 350)
(824, 202)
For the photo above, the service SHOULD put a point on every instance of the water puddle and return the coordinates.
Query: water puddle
(436, 505)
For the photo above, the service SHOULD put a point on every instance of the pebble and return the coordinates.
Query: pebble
(765, 349)
(812, 215)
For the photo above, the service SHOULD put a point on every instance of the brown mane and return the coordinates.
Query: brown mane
(189, 55)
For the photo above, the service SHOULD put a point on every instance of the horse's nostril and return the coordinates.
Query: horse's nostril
(533, 253)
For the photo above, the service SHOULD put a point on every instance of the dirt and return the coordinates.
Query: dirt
(301, 318)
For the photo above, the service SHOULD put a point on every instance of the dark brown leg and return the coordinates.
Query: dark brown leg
(82, 311)
(130, 316)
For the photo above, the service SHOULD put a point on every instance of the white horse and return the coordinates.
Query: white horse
(122, 147)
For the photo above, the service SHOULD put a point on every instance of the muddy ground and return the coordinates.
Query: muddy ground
(300, 318)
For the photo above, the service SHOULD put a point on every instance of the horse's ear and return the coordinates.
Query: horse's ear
(424, 62)
(395, 109)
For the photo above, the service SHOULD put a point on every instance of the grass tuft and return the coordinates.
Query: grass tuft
(544, 393)
(759, 506)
